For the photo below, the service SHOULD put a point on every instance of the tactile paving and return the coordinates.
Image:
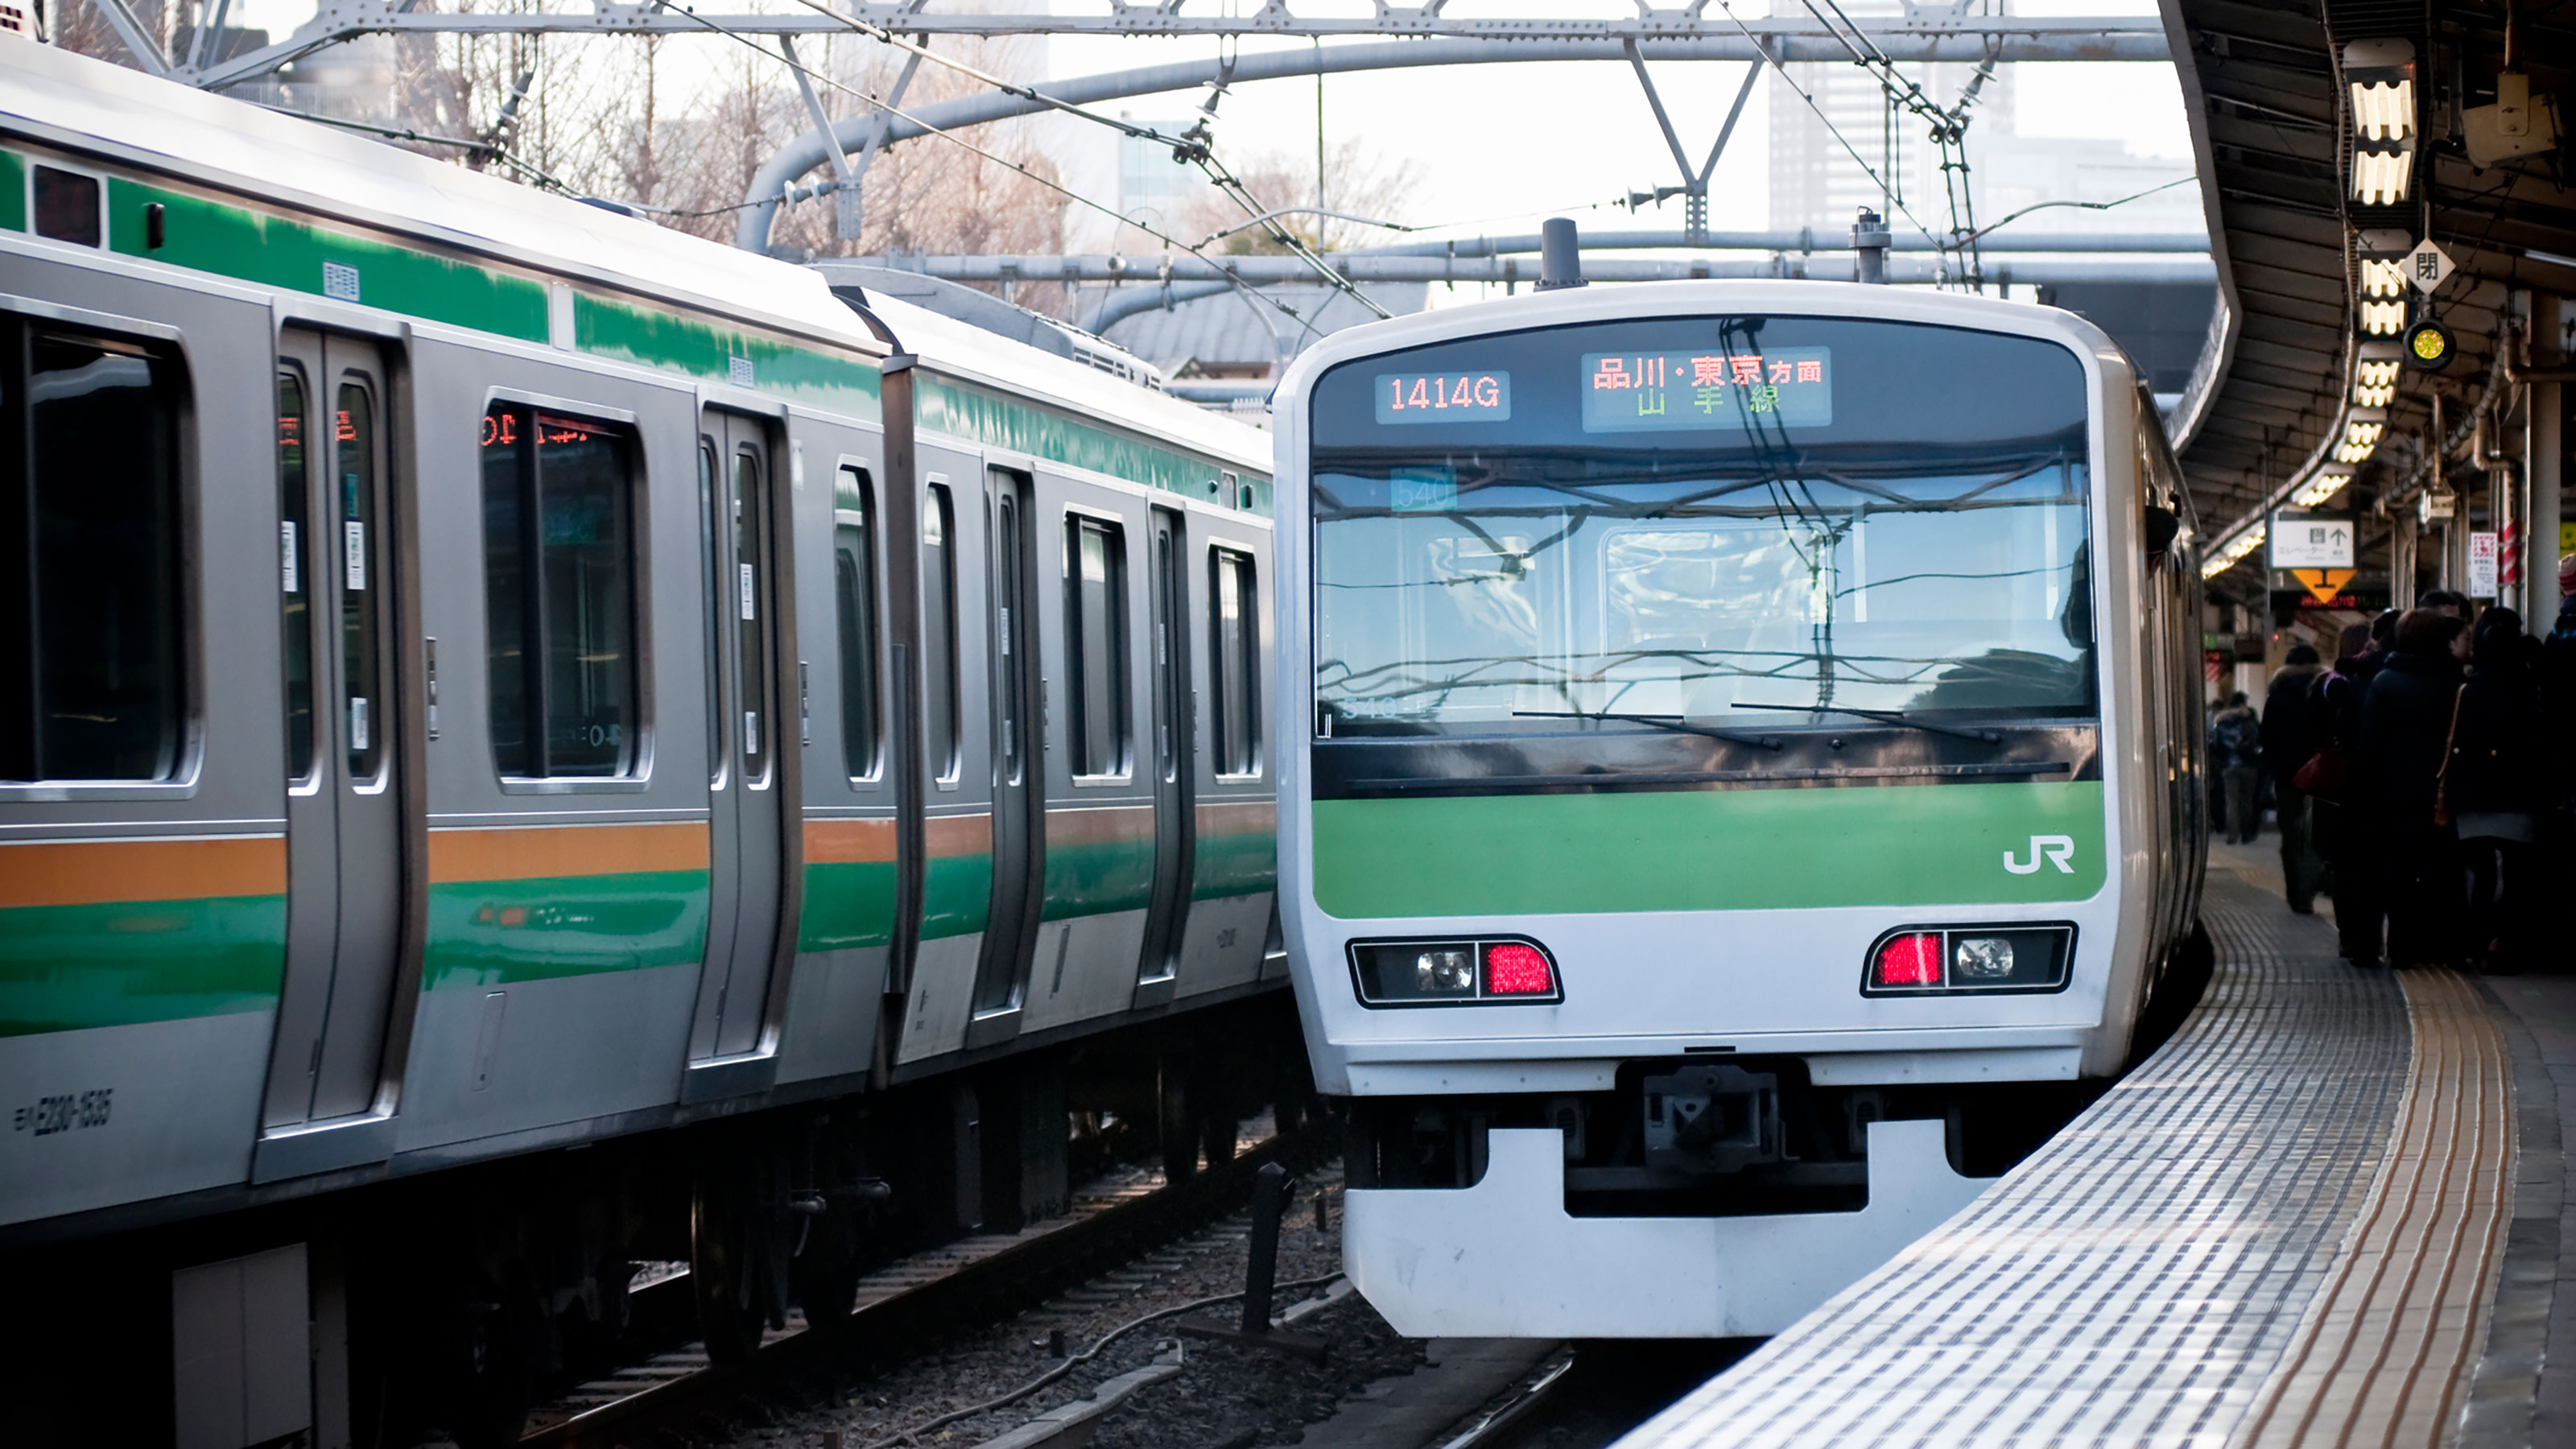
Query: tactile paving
(2168, 1265)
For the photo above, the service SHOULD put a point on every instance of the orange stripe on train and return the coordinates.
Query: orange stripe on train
(538, 852)
(94, 872)
(849, 842)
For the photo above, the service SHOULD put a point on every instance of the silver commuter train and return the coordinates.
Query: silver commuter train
(1740, 784)
(483, 676)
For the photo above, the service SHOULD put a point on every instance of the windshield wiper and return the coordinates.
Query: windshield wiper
(1661, 722)
(1884, 716)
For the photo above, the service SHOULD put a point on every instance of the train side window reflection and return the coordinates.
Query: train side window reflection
(939, 630)
(91, 683)
(1095, 590)
(558, 502)
(1237, 665)
(295, 585)
(854, 585)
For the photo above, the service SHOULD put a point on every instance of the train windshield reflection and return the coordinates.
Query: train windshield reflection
(1506, 594)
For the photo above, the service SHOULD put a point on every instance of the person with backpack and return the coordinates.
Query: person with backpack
(2236, 752)
(2334, 717)
(2406, 733)
(2286, 732)
(2496, 787)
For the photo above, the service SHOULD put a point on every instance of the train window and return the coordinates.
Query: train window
(854, 583)
(295, 591)
(1095, 593)
(939, 630)
(67, 206)
(559, 593)
(1236, 636)
(90, 637)
(353, 432)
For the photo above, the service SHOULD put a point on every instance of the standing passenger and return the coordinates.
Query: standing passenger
(2405, 733)
(2287, 735)
(2497, 788)
(2236, 748)
(2334, 713)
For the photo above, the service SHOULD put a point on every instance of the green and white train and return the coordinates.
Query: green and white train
(531, 744)
(1740, 781)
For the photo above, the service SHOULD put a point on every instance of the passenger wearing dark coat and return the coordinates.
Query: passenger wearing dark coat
(2286, 734)
(2405, 735)
(2498, 788)
(2334, 715)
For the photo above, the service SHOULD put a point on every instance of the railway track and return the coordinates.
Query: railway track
(924, 1297)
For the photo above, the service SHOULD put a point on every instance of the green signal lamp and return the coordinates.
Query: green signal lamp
(2428, 345)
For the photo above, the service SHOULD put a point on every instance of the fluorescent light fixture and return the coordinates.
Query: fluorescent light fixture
(2320, 488)
(2354, 452)
(2384, 111)
(2374, 397)
(2234, 549)
(2379, 178)
(2380, 77)
(2382, 279)
(2383, 319)
(2377, 374)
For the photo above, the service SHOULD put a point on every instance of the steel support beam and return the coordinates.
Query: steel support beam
(1360, 267)
(1921, 37)
(2116, 40)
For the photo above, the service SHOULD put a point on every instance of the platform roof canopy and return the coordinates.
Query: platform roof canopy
(2296, 111)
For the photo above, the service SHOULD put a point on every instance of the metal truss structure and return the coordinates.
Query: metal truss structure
(1926, 33)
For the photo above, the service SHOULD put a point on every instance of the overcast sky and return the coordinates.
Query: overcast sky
(1499, 146)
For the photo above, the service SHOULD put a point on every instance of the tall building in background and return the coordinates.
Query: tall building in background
(1815, 182)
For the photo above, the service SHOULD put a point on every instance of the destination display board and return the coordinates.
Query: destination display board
(1657, 391)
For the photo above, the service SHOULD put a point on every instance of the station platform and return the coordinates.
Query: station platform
(2330, 1211)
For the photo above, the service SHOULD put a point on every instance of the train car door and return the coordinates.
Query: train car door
(1175, 762)
(1001, 973)
(749, 734)
(337, 536)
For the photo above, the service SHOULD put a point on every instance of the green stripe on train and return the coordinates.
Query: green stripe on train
(1234, 865)
(1098, 877)
(848, 904)
(495, 933)
(956, 895)
(944, 405)
(274, 251)
(679, 344)
(13, 191)
(117, 963)
(1708, 850)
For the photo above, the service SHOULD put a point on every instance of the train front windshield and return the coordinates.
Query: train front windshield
(1701, 519)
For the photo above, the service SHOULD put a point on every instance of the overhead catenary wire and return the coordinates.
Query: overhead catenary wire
(1830, 128)
(1048, 182)
(1191, 147)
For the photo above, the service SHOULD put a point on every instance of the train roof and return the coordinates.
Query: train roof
(1775, 296)
(77, 102)
(81, 104)
(947, 345)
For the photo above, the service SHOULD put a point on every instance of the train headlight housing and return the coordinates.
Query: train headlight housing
(1982, 958)
(1444, 971)
(1975, 960)
(1496, 971)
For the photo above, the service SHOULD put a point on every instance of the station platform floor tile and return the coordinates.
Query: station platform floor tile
(2333, 1210)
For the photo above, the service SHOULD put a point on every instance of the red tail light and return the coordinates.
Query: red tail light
(1913, 959)
(1513, 969)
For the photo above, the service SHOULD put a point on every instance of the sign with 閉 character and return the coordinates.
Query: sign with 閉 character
(2312, 541)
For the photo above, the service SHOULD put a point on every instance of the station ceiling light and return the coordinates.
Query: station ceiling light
(2321, 488)
(2234, 550)
(2380, 77)
(2383, 319)
(2382, 278)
